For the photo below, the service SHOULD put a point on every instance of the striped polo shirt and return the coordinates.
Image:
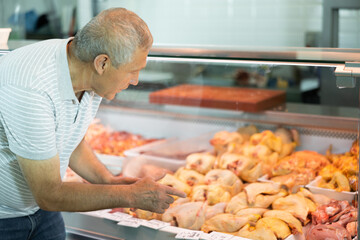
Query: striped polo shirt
(40, 117)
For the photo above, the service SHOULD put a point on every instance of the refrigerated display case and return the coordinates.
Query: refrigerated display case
(188, 94)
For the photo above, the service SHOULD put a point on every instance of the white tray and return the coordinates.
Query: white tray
(174, 149)
(111, 162)
(132, 165)
(136, 151)
(340, 196)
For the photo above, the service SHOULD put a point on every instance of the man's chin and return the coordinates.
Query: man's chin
(107, 97)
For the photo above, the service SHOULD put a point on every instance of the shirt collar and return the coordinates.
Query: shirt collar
(66, 89)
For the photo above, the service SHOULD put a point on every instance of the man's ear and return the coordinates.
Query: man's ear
(101, 63)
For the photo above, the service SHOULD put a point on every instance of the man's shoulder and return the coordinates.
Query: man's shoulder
(30, 63)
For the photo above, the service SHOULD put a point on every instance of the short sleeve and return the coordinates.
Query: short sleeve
(29, 121)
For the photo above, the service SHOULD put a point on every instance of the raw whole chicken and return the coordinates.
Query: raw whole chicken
(188, 215)
(264, 201)
(212, 194)
(172, 181)
(259, 152)
(200, 162)
(189, 176)
(299, 160)
(235, 162)
(217, 193)
(223, 177)
(223, 141)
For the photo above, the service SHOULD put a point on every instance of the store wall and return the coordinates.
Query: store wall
(228, 22)
(295, 23)
(349, 28)
(58, 13)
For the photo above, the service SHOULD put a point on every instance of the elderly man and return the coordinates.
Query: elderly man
(49, 93)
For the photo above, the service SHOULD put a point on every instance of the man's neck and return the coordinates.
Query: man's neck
(79, 72)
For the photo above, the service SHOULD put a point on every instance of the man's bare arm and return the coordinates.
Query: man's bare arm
(43, 178)
(86, 164)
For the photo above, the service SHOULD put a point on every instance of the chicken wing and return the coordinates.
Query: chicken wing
(252, 174)
(279, 227)
(247, 211)
(287, 217)
(237, 203)
(256, 234)
(264, 201)
(294, 204)
(254, 189)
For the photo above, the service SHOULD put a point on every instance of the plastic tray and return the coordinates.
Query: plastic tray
(136, 151)
(113, 163)
(132, 165)
(4, 36)
(174, 149)
(312, 186)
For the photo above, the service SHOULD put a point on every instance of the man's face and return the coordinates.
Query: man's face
(114, 80)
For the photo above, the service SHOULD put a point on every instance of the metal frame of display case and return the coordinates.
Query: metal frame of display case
(323, 120)
(330, 29)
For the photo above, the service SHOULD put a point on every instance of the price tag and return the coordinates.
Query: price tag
(131, 222)
(238, 238)
(155, 224)
(116, 216)
(190, 235)
(219, 236)
(98, 213)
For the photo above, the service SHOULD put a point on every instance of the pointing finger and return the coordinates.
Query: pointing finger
(173, 191)
(159, 176)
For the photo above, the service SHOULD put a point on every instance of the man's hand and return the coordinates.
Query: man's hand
(131, 180)
(123, 180)
(152, 196)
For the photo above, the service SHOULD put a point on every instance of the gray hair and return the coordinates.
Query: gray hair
(116, 32)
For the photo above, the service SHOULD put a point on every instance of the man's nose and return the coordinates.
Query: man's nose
(134, 81)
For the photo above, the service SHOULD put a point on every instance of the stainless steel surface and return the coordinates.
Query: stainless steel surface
(298, 54)
(73, 233)
(276, 54)
(109, 229)
(239, 62)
